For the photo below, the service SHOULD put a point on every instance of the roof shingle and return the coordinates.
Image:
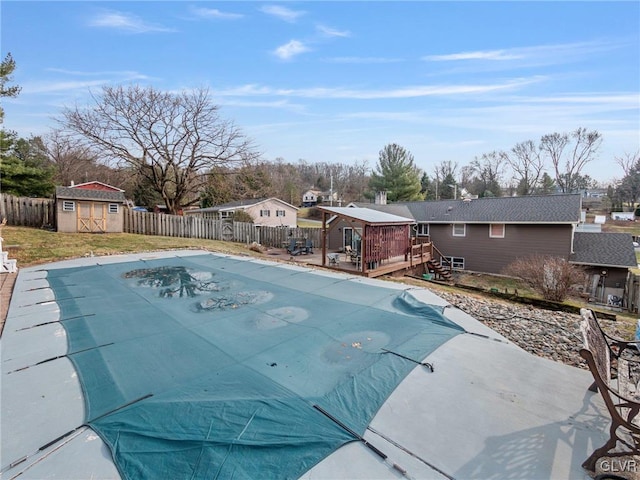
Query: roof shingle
(604, 249)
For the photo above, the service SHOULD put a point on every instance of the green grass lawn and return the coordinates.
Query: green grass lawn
(32, 246)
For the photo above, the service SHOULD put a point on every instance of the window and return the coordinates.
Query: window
(226, 214)
(113, 208)
(496, 230)
(68, 206)
(280, 213)
(459, 230)
(265, 213)
(423, 230)
(457, 263)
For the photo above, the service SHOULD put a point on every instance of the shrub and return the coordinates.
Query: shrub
(242, 216)
(551, 277)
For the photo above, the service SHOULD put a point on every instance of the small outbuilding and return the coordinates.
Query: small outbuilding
(606, 258)
(91, 207)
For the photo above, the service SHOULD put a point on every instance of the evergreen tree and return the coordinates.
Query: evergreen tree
(547, 185)
(428, 187)
(24, 168)
(448, 187)
(7, 66)
(396, 174)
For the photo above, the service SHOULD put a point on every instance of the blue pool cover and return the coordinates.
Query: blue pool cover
(214, 367)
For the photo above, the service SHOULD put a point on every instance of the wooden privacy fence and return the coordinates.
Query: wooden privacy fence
(633, 292)
(193, 226)
(39, 213)
(27, 212)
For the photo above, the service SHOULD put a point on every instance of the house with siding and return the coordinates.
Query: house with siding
(487, 234)
(313, 197)
(91, 207)
(271, 212)
(310, 198)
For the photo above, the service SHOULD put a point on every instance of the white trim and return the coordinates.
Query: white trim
(68, 206)
(113, 208)
(420, 226)
(457, 263)
(491, 225)
(464, 230)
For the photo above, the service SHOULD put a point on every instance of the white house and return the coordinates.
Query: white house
(271, 212)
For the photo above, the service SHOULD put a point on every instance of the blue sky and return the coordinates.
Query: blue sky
(337, 81)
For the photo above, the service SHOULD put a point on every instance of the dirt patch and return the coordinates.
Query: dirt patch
(7, 281)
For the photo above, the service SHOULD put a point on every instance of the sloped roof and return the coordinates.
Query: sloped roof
(368, 215)
(97, 186)
(603, 249)
(527, 209)
(237, 204)
(72, 193)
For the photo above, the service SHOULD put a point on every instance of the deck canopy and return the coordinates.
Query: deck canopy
(383, 235)
(368, 216)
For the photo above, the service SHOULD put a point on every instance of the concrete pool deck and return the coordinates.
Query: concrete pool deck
(489, 410)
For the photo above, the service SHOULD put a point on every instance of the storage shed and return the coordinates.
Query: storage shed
(91, 207)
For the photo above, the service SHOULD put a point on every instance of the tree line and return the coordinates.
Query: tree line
(177, 150)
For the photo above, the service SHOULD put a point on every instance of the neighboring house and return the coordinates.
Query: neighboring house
(91, 207)
(607, 258)
(627, 216)
(271, 212)
(310, 198)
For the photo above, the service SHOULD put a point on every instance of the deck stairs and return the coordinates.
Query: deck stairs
(442, 272)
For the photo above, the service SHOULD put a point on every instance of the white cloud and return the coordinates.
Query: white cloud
(332, 32)
(126, 22)
(290, 50)
(479, 55)
(215, 13)
(363, 60)
(558, 53)
(53, 87)
(364, 94)
(126, 74)
(282, 13)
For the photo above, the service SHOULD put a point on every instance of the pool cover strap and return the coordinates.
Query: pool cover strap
(231, 356)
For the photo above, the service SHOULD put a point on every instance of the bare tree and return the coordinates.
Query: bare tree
(527, 166)
(583, 146)
(171, 140)
(628, 162)
(628, 189)
(445, 177)
(73, 160)
(488, 171)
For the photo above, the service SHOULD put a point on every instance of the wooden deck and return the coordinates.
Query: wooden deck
(397, 264)
(421, 254)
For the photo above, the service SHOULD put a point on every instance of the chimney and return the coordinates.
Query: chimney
(381, 198)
